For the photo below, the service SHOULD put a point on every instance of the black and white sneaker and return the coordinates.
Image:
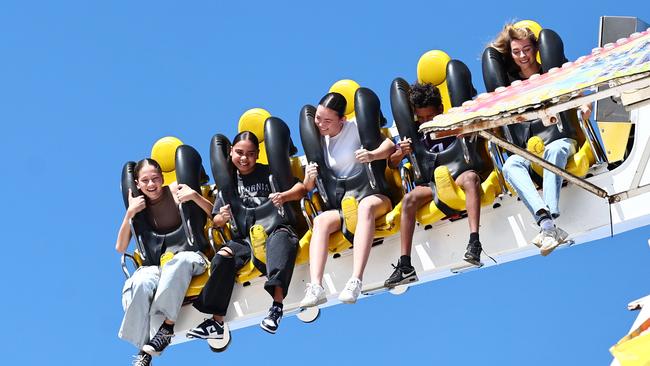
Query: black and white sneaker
(473, 253)
(142, 359)
(159, 342)
(272, 321)
(401, 276)
(209, 329)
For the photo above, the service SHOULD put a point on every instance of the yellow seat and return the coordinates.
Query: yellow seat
(578, 164)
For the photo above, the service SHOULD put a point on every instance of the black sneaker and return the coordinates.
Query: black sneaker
(272, 321)
(142, 359)
(159, 342)
(473, 253)
(401, 276)
(209, 329)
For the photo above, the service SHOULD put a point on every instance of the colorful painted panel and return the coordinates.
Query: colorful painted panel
(628, 57)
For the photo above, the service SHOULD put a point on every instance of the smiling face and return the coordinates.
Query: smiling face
(328, 121)
(244, 155)
(150, 182)
(523, 53)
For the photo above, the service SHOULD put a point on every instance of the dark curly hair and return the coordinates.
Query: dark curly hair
(425, 95)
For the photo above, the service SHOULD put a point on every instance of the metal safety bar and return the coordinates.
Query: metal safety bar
(187, 228)
(274, 189)
(138, 240)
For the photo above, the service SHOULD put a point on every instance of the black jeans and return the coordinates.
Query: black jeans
(215, 296)
(281, 251)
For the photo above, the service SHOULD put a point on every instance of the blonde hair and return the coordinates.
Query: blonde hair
(509, 33)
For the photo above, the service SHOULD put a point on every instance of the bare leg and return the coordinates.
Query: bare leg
(413, 200)
(325, 224)
(470, 182)
(370, 208)
(278, 296)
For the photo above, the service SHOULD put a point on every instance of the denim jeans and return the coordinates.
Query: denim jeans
(517, 170)
(151, 291)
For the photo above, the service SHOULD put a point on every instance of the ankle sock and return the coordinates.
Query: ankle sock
(405, 261)
(473, 237)
(278, 304)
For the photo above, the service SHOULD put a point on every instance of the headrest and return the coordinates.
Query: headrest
(164, 152)
(253, 120)
(432, 68)
(459, 82)
(347, 88)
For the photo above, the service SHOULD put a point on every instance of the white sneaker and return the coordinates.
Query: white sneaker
(550, 239)
(351, 291)
(315, 295)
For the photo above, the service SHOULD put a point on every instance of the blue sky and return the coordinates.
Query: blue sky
(86, 86)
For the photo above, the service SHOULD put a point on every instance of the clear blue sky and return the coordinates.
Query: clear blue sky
(86, 86)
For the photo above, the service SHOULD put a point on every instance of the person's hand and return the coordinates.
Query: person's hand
(405, 146)
(184, 193)
(364, 156)
(136, 204)
(278, 199)
(585, 109)
(225, 213)
(311, 171)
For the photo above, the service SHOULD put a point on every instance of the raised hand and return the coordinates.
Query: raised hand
(225, 213)
(364, 156)
(136, 204)
(277, 198)
(184, 193)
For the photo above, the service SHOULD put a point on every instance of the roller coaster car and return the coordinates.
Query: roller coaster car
(534, 135)
(344, 193)
(439, 170)
(254, 224)
(180, 163)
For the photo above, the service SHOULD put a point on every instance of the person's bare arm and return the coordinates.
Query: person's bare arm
(311, 173)
(136, 204)
(402, 149)
(184, 193)
(295, 193)
(383, 151)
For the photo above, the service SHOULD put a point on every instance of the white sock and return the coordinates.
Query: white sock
(547, 224)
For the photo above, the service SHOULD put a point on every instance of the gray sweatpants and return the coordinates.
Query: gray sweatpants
(153, 292)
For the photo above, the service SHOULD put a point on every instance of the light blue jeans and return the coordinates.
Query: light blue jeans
(517, 170)
(151, 292)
